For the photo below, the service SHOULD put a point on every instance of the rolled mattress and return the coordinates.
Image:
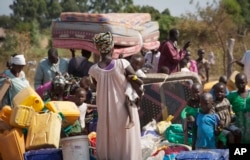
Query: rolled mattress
(58, 26)
(149, 27)
(151, 37)
(88, 36)
(76, 44)
(151, 45)
(130, 20)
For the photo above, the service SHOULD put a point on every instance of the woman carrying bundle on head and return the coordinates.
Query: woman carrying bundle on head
(114, 141)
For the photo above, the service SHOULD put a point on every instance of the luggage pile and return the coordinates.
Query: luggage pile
(131, 31)
(32, 129)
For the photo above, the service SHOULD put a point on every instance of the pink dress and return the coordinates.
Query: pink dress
(114, 142)
(192, 66)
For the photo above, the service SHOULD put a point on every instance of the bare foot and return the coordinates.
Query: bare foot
(130, 125)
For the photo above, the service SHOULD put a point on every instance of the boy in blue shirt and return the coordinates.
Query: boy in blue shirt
(207, 122)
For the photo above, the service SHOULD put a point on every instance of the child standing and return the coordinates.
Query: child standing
(223, 108)
(190, 111)
(240, 101)
(85, 83)
(79, 99)
(206, 122)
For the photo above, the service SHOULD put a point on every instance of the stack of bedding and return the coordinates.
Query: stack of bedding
(131, 31)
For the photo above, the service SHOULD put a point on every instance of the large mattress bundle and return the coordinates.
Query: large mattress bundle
(131, 31)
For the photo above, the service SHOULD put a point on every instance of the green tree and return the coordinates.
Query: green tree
(24, 10)
(34, 34)
(245, 10)
(54, 10)
(6, 22)
(9, 44)
(108, 6)
(69, 6)
(166, 12)
(74, 5)
(211, 28)
(42, 11)
(166, 22)
(132, 9)
(155, 14)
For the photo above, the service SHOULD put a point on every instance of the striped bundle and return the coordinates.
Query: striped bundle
(131, 31)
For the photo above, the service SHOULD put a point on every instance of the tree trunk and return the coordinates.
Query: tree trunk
(230, 57)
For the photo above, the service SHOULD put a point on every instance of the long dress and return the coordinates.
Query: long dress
(241, 108)
(114, 142)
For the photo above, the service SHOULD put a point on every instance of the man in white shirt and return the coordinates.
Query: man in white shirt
(245, 63)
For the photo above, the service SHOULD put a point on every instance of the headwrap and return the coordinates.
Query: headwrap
(18, 60)
(104, 42)
(59, 80)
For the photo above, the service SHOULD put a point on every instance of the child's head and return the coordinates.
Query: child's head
(80, 96)
(201, 53)
(188, 55)
(154, 51)
(219, 91)
(223, 79)
(196, 90)
(206, 102)
(58, 87)
(164, 69)
(183, 63)
(85, 82)
(86, 54)
(241, 81)
(137, 61)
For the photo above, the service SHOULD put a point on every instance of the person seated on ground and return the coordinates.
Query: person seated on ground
(80, 100)
(240, 101)
(222, 79)
(190, 111)
(79, 65)
(191, 64)
(137, 61)
(229, 132)
(207, 123)
(16, 76)
(183, 65)
(53, 90)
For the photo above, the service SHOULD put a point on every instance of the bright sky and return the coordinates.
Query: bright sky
(176, 7)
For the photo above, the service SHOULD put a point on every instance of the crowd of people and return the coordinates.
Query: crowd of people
(217, 119)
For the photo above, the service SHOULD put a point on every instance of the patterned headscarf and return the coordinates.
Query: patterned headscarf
(59, 80)
(104, 42)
